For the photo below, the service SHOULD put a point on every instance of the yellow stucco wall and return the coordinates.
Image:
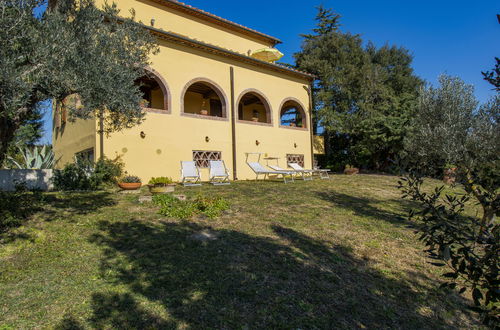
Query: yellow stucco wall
(171, 137)
(174, 21)
(71, 138)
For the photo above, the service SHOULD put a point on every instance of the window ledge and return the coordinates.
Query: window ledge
(295, 128)
(194, 115)
(240, 121)
(155, 110)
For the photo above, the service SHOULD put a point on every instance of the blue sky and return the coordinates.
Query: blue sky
(455, 37)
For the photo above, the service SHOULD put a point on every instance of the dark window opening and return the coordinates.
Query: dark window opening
(153, 95)
(292, 115)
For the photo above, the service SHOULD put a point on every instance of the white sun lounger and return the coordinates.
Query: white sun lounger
(305, 175)
(323, 174)
(261, 170)
(219, 173)
(190, 174)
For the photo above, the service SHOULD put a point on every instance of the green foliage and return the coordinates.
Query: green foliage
(36, 157)
(73, 48)
(170, 206)
(75, 176)
(467, 245)
(493, 76)
(130, 179)
(86, 175)
(364, 96)
(27, 135)
(161, 181)
(450, 128)
(212, 207)
(108, 170)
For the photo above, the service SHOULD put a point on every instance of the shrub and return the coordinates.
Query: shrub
(108, 171)
(160, 181)
(86, 175)
(76, 176)
(130, 179)
(171, 206)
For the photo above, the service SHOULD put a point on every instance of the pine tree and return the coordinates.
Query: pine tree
(364, 96)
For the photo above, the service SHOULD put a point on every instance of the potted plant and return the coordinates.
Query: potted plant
(255, 116)
(130, 182)
(161, 185)
(351, 170)
(204, 110)
(450, 173)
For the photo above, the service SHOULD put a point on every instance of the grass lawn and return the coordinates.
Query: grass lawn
(324, 254)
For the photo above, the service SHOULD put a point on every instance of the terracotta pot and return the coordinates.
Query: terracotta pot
(293, 125)
(351, 171)
(204, 112)
(129, 185)
(255, 119)
(161, 189)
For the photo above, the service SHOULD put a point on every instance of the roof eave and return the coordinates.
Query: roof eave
(174, 37)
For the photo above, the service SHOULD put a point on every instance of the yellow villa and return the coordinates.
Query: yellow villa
(208, 97)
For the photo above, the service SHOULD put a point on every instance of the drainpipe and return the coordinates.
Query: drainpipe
(233, 123)
(101, 134)
(311, 130)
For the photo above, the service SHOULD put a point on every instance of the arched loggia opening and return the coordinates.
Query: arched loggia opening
(292, 114)
(254, 107)
(154, 90)
(203, 98)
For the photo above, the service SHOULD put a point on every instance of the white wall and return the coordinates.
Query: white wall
(34, 179)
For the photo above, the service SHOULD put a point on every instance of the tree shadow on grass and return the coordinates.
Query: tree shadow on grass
(20, 208)
(80, 203)
(370, 207)
(237, 280)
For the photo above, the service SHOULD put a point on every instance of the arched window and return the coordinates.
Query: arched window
(292, 114)
(154, 90)
(203, 98)
(254, 107)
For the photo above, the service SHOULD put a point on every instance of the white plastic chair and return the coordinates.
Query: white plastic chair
(260, 170)
(219, 174)
(190, 174)
(323, 174)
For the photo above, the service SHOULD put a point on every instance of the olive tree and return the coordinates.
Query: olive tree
(450, 127)
(72, 48)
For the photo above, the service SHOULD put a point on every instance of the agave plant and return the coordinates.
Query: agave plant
(35, 158)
